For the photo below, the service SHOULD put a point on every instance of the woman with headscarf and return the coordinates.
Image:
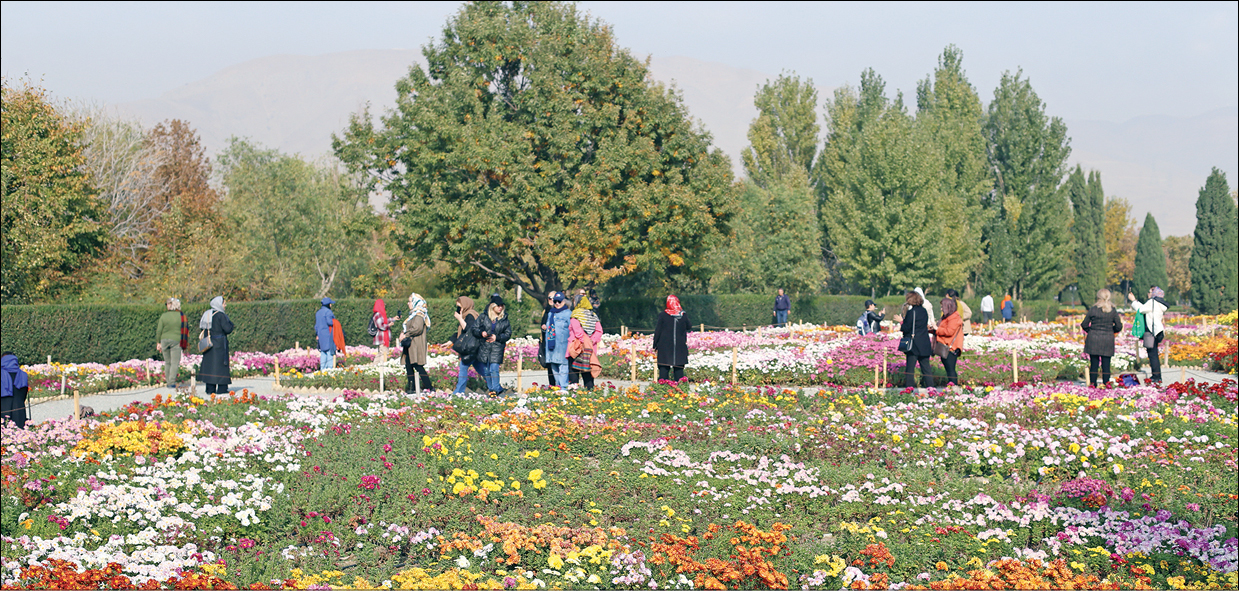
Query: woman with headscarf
(585, 334)
(214, 371)
(413, 343)
(671, 340)
(1153, 309)
(543, 355)
(172, 339)
(14, 386)
(558, 322)
(381, 324)
(1007, 307)
(949, 338)
(493, 330)
(466, 317)
(915, 324)
(1100, 325)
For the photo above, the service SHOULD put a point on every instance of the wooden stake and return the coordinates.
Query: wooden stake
(734, 355)
(1087, 377)
(77, 405)
(1182, 374)
(49, 359)
(382, 380)
(703, 327)
(297, 345)
(633, 369)
(277, 373)
(1015, 366)
(417, 382)
(885, 376)
(520, 367)
(63, 380)
(875, 375)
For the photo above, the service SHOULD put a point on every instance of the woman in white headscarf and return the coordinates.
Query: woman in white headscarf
(214, 371)
(413, 345)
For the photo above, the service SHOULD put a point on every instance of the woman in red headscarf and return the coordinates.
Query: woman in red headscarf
(671, 340)
(380, 323)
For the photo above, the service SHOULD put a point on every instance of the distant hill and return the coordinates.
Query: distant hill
(295, 103)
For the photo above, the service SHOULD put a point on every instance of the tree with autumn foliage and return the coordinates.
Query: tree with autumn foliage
(532, 148)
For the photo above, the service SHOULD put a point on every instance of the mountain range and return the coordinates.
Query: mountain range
(295, 102)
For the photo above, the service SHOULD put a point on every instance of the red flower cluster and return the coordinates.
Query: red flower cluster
(61, 574)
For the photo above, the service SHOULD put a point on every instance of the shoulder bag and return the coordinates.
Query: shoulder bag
(905, 343)
(204, 341)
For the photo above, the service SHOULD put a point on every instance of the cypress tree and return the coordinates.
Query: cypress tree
(1150, 259)
(1214, 264)
(1088, 229)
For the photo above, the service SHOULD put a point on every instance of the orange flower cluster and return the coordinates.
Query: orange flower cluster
(61, 574)
(749, 567)
(1017, 574)
(515, 538)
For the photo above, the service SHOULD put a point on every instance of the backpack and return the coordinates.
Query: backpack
(862, 324)
(373, 330)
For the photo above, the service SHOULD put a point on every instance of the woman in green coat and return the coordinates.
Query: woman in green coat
(172, 339)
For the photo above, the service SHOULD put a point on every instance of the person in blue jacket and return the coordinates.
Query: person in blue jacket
(1007, 308)
(557, 323)
(323, 320)
(14, 386)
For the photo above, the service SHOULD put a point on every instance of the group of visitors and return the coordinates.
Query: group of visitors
(925, 336)
(1102, 322)
(1006, 308)
(571, 335)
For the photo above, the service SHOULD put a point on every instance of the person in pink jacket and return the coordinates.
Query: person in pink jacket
(585, 335)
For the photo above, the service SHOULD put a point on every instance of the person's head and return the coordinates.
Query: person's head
(495, 309)
(594, 300)
(557, 300)
(218, 303)
(951, 293)
(913, 298)
(1156, 292)
(780, 291)
(464, 305)
(870, 305)
(327, 302)
(173, 304)
(1104, 300)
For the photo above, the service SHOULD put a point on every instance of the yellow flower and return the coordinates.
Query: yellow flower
(555, 561)
(535, 474)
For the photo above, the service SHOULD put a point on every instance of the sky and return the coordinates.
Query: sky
(1097, 61)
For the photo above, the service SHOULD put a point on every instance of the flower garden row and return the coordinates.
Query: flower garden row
(1032, 486)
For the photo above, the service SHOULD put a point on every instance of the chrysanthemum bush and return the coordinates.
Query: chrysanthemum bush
(668, 486)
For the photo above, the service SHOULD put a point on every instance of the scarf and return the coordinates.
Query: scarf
(1004, 302)
(419, 309)
(466, 308)
(184, 333)
(673, 306)
(948, 307)
(217, 305)
(1157, 292)
(10, 383)
(552, 334)
(584, 313)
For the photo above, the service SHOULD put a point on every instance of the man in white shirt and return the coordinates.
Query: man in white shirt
(987, 308)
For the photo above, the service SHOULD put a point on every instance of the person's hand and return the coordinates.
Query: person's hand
(457, 315)
(898, 318)
(543, 327)
(1131, 297)
(491, 339)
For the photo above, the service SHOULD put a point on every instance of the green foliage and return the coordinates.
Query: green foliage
(535, 150)
(1178, 255)
(777, 241)
(888, 218)
(107, 333)
(297, 226)
(1028, 154)
(51, 227)
(1215, 248)
(1089, 229)
(784, 137)
(1150, 258)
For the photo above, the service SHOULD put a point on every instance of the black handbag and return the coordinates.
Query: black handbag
(905, 342)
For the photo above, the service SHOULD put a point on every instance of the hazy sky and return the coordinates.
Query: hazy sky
(1110, 61)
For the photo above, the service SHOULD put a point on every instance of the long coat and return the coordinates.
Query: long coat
(671, 339)
(560, 322)
(916, 323)
(502, 329)
(323, 319)
(414, 329)
(1100, 328)
(214, 366)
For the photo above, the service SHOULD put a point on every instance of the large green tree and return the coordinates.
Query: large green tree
(1178, 276)
(950, 109)
(784, 137)
(1150, 258)
(1120, 241)
(1027, 153)
(891, 222)
(1088, 230)
(1215, 248)
(52, 220)
(534, 149)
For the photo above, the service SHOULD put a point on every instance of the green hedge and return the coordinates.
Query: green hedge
(107, 333)
(739, 311)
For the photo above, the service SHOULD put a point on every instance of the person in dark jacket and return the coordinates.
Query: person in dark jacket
(671, 340)
(323, 321)
(466, 317)
(214, 371)
(493, 330)
(782, 304)
(915, 323)
(1100, 325)
(14, 386)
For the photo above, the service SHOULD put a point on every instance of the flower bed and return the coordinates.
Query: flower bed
(1039, 486)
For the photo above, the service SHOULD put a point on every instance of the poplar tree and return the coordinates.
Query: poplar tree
(784, 136)
(1215, 248)
(1027, 152)
(1088, 229)
(1150, 259)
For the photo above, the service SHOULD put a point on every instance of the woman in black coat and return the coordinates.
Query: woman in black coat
(671, 340)
(1100, 325)
(916, 324)
(492, 330)
(214, 370)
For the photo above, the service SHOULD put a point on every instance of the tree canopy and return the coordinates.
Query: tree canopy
(1150, 258)
(533, 149)
(1215, 248)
